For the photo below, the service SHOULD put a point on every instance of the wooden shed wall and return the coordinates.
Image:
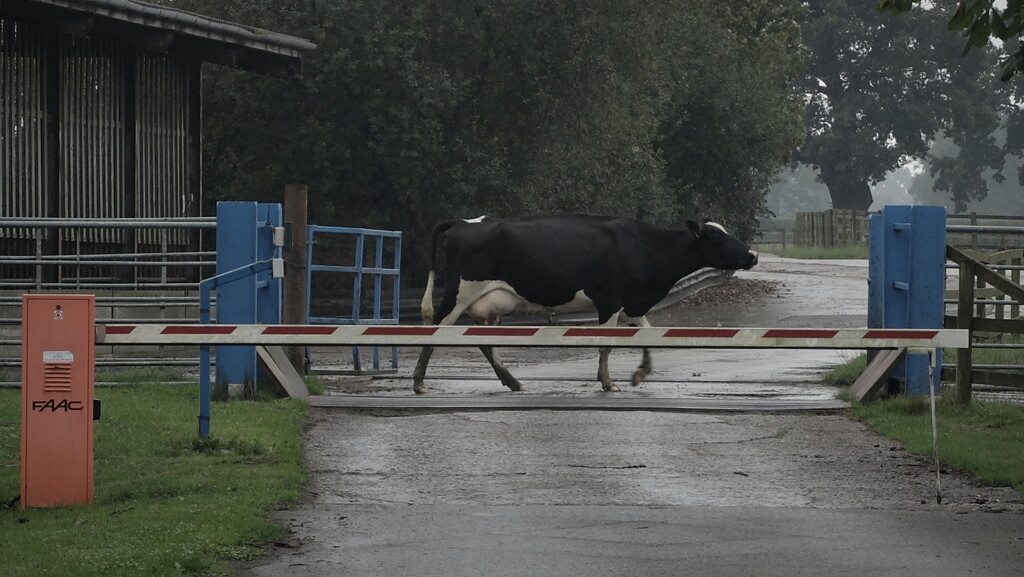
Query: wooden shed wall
(92, 128)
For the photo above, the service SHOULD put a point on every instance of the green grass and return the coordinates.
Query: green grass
(850, 252)
(984, 439)
(846, 373)
(138, 375)
(314, 384)
(166, 502)
(994, 356)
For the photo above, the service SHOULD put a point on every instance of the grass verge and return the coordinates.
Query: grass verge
(166, 502)
(139, 375)
(984, 438)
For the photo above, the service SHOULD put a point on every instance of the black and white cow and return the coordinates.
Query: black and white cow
(619, 266)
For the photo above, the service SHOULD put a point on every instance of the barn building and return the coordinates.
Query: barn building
(101, 113)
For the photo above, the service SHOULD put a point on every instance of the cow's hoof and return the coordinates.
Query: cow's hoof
(610, 388)
(421, 389)
(638, 378)
(516, 388)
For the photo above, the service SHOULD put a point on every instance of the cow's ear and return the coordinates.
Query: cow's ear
(694, 228)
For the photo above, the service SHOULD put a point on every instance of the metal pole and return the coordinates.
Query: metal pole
(935, 428)
(965, 320)
(204, 360)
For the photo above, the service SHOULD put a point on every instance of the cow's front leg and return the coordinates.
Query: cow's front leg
(645, 363)
(421, 371)
(602, 370)
(644, 369)
(503, 373)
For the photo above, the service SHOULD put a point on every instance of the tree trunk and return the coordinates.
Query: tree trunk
(847, 190)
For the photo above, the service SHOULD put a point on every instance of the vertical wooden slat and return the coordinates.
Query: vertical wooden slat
(28, 117)
(63, 158)
(6, 124)
(19, 148)
(10, 108)
(92, 167)
(69, 147)
(6, 113)
(162, 139)
(127, 154)
(192, 124)
(16, 143)
(1015, 277)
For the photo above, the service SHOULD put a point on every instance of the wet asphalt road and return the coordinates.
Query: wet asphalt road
(642, 493)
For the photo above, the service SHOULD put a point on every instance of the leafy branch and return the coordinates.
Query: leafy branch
(979, 21)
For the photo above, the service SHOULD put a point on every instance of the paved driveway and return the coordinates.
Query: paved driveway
(642, 492)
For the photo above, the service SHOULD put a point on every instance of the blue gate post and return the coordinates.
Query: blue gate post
(907, 280)
(245, 235)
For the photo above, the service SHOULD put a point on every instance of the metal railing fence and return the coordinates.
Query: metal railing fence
(150, 275)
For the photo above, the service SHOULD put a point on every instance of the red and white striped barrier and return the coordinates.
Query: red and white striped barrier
(542, 336)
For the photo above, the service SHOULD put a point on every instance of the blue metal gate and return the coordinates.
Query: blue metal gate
(370, 273)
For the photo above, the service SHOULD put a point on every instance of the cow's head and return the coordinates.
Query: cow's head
(720, 249)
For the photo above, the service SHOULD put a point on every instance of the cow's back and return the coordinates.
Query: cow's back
(546, 259)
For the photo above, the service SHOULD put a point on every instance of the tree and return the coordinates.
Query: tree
(797, 190)
(980, 21)
(411, 114)
(732, 117)
(880, 89)
(1003, 196)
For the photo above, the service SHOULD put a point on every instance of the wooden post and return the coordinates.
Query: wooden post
(964, 320)
(1015, 277)
(295, 250)
(828, 229)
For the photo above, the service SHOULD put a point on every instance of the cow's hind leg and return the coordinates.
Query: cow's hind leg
(455, 308)
(503, 373)
(602, 370)
(421, 371)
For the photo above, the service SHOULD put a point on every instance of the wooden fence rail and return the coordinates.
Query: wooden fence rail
(981, 288)
(838, 228)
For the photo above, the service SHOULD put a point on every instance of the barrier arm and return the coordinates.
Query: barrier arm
(924, 341)
(917, 340)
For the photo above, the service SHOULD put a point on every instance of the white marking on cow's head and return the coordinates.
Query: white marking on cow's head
(722, 250)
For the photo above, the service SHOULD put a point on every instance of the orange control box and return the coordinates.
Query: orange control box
(57, 359)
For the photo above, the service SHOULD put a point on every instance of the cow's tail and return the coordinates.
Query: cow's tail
(427, 304)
